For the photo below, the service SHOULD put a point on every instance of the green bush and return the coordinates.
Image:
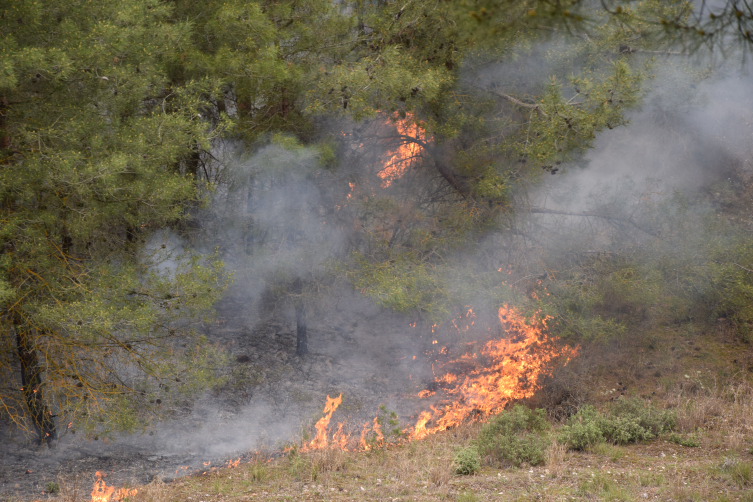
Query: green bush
(645, 415)
(580, 432)
(52, 487)
(628, 421)
(467, 461)
(507, 437)
(691, 441)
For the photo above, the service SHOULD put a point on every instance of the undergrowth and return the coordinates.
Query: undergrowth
(628, 421)
(513, 437)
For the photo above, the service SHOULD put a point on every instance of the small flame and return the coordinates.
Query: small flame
(103, 493)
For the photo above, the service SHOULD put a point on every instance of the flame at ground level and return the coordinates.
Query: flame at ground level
(477, 384)
(103, 493)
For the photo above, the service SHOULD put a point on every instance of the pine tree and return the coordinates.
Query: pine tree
(97, 151)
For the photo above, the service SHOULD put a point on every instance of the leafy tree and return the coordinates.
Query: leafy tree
(506, 104)
(97, 151)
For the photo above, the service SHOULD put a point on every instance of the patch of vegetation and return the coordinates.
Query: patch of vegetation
(511, 437)
(467, 461)
(741, 473)
(389, 422)
(607, 450)
(52, 487)
(604, 487)
(467, 497)
(690, 441)
(650, 479)
(628, 421)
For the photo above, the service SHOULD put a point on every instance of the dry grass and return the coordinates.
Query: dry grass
(555, 458)
(422, 471)
(724, 411)
(720, 470)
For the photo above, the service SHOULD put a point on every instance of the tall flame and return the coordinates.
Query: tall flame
(320, 440)
(400, 159)
(502, 371)
(483, 382)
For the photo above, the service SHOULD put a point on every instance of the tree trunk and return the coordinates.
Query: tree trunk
(31, 380)
(301, 340)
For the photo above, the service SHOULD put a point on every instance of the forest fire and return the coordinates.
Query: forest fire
(478, 383)
(103, 493)
(400, 159)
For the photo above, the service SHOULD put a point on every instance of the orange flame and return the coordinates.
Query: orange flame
(400, 159)
(485, 381)
(502, 371)
(320, 440)
(103, 493)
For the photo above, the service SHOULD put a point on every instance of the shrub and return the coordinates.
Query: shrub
(691, 441)
(507, 437)
(52, 487)
(467, 461)
(628, 421)
(581, 430)
(646, 416)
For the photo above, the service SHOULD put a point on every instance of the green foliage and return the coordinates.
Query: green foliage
(467, 461)
(99, 141)
(513, 437)
(112, 113)
(52, 487)
(582, 429)
(389, 422)
(690, 441)
(628, 421)
(679, 262)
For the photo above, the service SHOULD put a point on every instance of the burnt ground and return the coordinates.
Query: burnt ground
(355, 349)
